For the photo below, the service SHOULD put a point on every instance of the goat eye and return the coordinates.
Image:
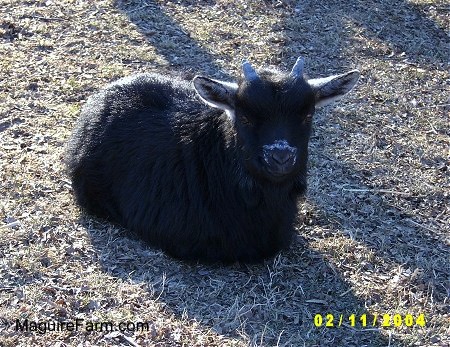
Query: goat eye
(308, 118)
(244, 120)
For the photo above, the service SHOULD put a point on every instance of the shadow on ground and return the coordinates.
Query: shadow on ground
(169, 39)
(402, 27)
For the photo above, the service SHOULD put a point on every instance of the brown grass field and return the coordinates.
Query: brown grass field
(374, 230)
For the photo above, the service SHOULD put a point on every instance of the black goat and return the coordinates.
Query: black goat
(217, 183)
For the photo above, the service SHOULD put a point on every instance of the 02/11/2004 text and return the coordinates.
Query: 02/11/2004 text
(385, 320)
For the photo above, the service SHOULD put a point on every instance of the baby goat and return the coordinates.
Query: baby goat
(205, 170)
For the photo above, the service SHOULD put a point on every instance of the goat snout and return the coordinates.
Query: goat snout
(280, 158)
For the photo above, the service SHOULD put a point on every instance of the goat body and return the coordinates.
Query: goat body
(217, 180)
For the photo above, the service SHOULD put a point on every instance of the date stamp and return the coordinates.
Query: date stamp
(330, 320)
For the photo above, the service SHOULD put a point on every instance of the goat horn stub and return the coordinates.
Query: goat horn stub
(297, 69)
(249, 72)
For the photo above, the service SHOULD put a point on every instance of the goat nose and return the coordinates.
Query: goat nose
(282, 157)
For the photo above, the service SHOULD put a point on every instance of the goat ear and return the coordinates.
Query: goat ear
(215, 93)
(333, 88)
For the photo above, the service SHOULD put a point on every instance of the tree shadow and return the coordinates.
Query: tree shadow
(401, 26)
(351, 203)
(168, 38)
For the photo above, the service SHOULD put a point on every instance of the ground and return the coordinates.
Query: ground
(373, 234)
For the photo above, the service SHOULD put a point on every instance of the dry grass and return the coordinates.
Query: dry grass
(374, 233)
